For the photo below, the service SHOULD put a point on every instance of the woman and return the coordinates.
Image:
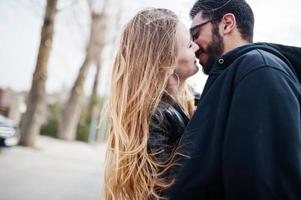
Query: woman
(150, 104)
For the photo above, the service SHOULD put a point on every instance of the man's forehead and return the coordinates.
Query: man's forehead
(198, 19)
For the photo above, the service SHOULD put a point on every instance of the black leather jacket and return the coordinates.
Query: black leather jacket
(166, 128)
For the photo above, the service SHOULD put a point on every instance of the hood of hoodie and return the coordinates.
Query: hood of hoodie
(292, 54)
(289, 54)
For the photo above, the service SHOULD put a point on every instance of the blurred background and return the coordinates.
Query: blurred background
(55, 66)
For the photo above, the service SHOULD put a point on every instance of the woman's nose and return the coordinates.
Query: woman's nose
(195, 47)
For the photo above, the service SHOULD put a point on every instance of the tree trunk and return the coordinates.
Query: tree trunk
(71, 113)
(31, 121)
(93, 106)
(94, 95)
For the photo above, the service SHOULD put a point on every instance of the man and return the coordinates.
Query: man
(244, 140)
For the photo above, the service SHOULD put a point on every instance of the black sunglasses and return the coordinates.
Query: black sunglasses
(194, 31)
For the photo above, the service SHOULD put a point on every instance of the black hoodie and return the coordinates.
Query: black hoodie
(244, 140)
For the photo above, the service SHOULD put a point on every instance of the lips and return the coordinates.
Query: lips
(201, 56)
(199, 52)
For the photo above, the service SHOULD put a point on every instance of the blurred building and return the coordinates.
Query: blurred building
(12, 104)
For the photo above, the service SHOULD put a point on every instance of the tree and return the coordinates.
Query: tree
(94, 95)
(72, 109)
(31, 120)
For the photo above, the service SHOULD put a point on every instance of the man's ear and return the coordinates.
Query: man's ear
(228, 23)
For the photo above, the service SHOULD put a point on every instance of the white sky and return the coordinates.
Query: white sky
(20, 23)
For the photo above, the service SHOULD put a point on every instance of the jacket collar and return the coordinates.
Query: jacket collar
(228, 58)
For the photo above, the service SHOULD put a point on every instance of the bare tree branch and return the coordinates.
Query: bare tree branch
(68, 6)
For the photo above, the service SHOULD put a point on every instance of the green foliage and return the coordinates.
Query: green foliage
(50, 128)
(84, 125)
(82, 131)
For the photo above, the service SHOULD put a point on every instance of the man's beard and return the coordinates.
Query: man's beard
(214, 50)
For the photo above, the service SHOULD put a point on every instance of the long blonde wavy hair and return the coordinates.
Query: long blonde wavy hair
(144, 62)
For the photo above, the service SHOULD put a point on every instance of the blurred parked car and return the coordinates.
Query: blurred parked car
(9, 135)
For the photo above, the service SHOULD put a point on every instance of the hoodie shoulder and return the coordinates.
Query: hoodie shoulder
(261, 58)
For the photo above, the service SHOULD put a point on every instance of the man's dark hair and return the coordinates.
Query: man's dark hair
(216, 9)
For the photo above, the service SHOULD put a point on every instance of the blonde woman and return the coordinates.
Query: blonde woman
(150, 105)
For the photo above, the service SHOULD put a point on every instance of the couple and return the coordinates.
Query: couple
(240, 141)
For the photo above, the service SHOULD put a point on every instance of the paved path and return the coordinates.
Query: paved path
(56, 170)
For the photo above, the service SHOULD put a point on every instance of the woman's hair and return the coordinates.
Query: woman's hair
(144, 61)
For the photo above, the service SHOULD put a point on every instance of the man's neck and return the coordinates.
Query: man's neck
(233, 44)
